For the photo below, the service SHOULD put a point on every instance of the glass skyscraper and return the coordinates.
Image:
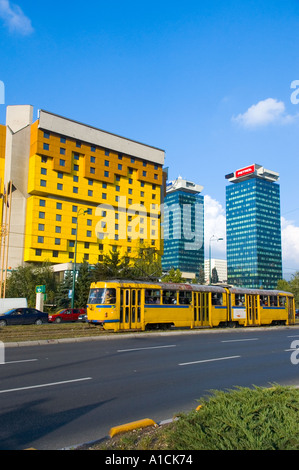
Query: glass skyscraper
(253, 228)
(183, 227)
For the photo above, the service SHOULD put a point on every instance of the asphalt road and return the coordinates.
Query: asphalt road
(59, 395)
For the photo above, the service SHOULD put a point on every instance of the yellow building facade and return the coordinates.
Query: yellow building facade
(83, 184)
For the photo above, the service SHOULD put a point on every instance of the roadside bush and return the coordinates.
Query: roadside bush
(240, 419)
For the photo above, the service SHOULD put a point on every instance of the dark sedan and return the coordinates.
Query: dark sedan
(23, 316)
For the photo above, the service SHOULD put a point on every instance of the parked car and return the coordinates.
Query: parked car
(297, 313)
(82, 318)
(66, 314)
(23, 316)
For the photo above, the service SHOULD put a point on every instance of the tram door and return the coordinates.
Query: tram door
(201, 308)
(252, 310)
(290, 311)
(130, 308)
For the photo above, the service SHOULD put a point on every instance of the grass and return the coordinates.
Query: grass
(47, 331)
(240, 419)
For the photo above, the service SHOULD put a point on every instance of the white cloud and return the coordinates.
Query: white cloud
(215, 224)
(265, 112)
(14, 18)
(290, 246)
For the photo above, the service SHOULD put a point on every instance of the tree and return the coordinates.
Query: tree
(82, 285)
(174, 275)
(24, 279)
(62, 298)
(215, 278)
(146, 265)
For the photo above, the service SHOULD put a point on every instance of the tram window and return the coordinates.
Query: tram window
(217, 299)
(102, 296)
(169, 297)
(282, 301)
(152, 296)
(273, 300)
(264, 300)
(185, 297)
(239, 300)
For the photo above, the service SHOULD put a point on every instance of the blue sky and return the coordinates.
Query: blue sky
(207, 81)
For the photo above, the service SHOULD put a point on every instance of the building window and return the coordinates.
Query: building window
(107, 153)
(76, 156)
(74, 220)
(58, 217)
(86, 256)
(59, 186)
(42, 203)
(92, 148)
(117, 188)
(104, 196)
(75, 190)
(155, 176)
(58, 229)
(92, 170)
(55, 254)
(58, 205)
(71, 255)
(88, 233)
(89, 222)
(106, 163)
(104, 185)
(73, 231)
(62, 151)
(106, 174)
(75, 179)
(90, 193)
(43, 183)
(76, 167)
(43, 171)
(60, 175)
(71, 243)
(38, 252)
(40, 239)
(92, 159)
(144, 173)
(41, 227)
(78, 144)
(44, 159)
(119, 166)
(62, 162)
(57, 241)
(41, 215)
(63, 140)
(86, 245)
(74, 208)
(46, 135)
(132, 160)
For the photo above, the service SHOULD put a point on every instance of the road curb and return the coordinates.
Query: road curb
(139, 334)
(142, 423)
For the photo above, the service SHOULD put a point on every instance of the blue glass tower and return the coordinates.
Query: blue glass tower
(253, 228)
(183, 227)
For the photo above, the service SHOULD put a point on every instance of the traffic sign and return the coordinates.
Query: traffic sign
(40, 289)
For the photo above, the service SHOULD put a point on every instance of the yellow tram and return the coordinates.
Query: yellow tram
(139, 305)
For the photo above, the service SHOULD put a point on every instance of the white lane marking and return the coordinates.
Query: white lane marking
(45, 385)
(151, 347)
(238, 340)
(17, 362)
(209, 360)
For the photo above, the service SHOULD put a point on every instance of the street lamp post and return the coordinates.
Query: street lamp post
(80, 212)
(213, 238)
